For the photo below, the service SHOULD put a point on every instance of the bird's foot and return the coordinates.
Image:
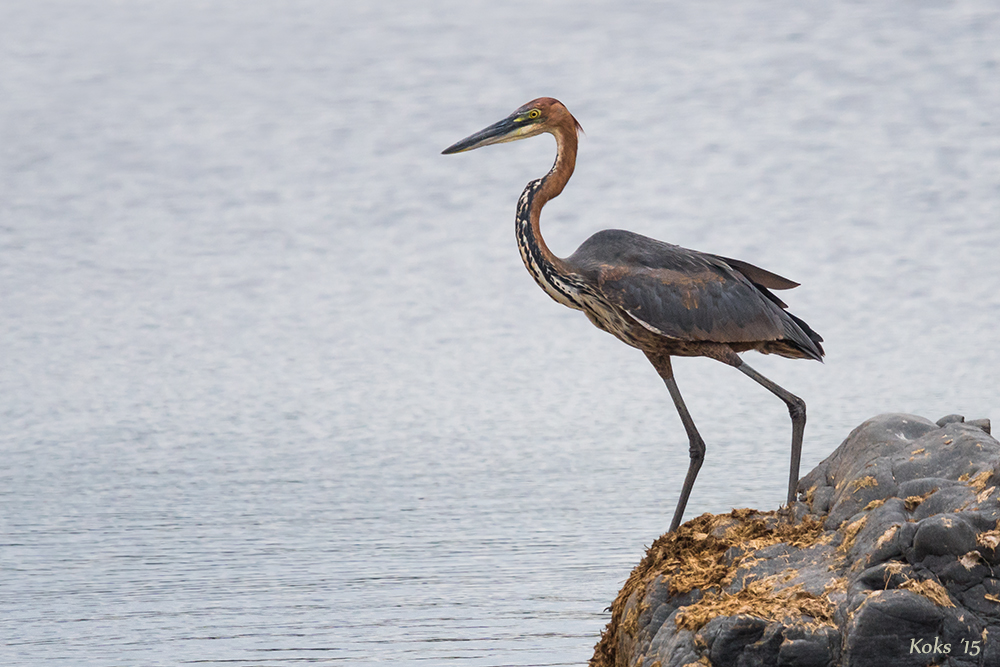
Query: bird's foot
(794, 513)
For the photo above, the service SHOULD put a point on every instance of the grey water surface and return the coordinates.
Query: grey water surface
(275, 387)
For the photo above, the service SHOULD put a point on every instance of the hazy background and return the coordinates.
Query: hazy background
(275, 387)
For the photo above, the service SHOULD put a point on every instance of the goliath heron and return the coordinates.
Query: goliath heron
(661, 298)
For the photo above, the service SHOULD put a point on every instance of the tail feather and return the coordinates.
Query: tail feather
(811, 345)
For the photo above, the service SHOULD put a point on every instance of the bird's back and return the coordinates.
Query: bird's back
(689, 296)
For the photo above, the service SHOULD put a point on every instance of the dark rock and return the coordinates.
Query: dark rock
(982, 424)
(735, 633)
(884, 623)
(818, 649)
(950, 419)
(891, 558)
(941, 534)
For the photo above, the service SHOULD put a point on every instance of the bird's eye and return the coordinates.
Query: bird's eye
(534, 113)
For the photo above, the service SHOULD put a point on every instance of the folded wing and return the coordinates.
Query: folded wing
(685, 294)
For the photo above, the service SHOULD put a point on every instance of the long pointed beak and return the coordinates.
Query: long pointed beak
(499, 132)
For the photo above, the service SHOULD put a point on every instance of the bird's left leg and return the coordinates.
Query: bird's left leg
(797, 411)
(696, 446)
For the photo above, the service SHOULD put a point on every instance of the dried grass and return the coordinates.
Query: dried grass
(989, 539)
(863, 483)
(694, 557)
(886, 536)
(851, 532)
(760, 599)
(875, 504)
(930, 589)
(979, 481)
(913, 502)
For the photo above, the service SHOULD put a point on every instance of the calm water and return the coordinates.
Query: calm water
(275, 387)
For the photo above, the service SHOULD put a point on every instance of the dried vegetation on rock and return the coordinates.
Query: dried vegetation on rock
(891, 556)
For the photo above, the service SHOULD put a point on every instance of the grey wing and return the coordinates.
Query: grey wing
(680, 293)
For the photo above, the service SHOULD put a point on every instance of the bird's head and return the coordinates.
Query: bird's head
(542, 115)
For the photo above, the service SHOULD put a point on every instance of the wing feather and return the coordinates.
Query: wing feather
(681, 293)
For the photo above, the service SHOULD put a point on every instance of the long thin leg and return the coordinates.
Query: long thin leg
(797, 411)
(696, 446)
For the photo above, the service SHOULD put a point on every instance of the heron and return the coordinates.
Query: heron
(658, 297)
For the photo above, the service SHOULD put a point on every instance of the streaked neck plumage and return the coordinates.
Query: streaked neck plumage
(551, 273)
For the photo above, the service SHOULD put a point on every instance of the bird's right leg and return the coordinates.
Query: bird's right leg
(696, 446)
(797, 411)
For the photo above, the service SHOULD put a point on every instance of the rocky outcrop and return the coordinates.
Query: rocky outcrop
(891, 558)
